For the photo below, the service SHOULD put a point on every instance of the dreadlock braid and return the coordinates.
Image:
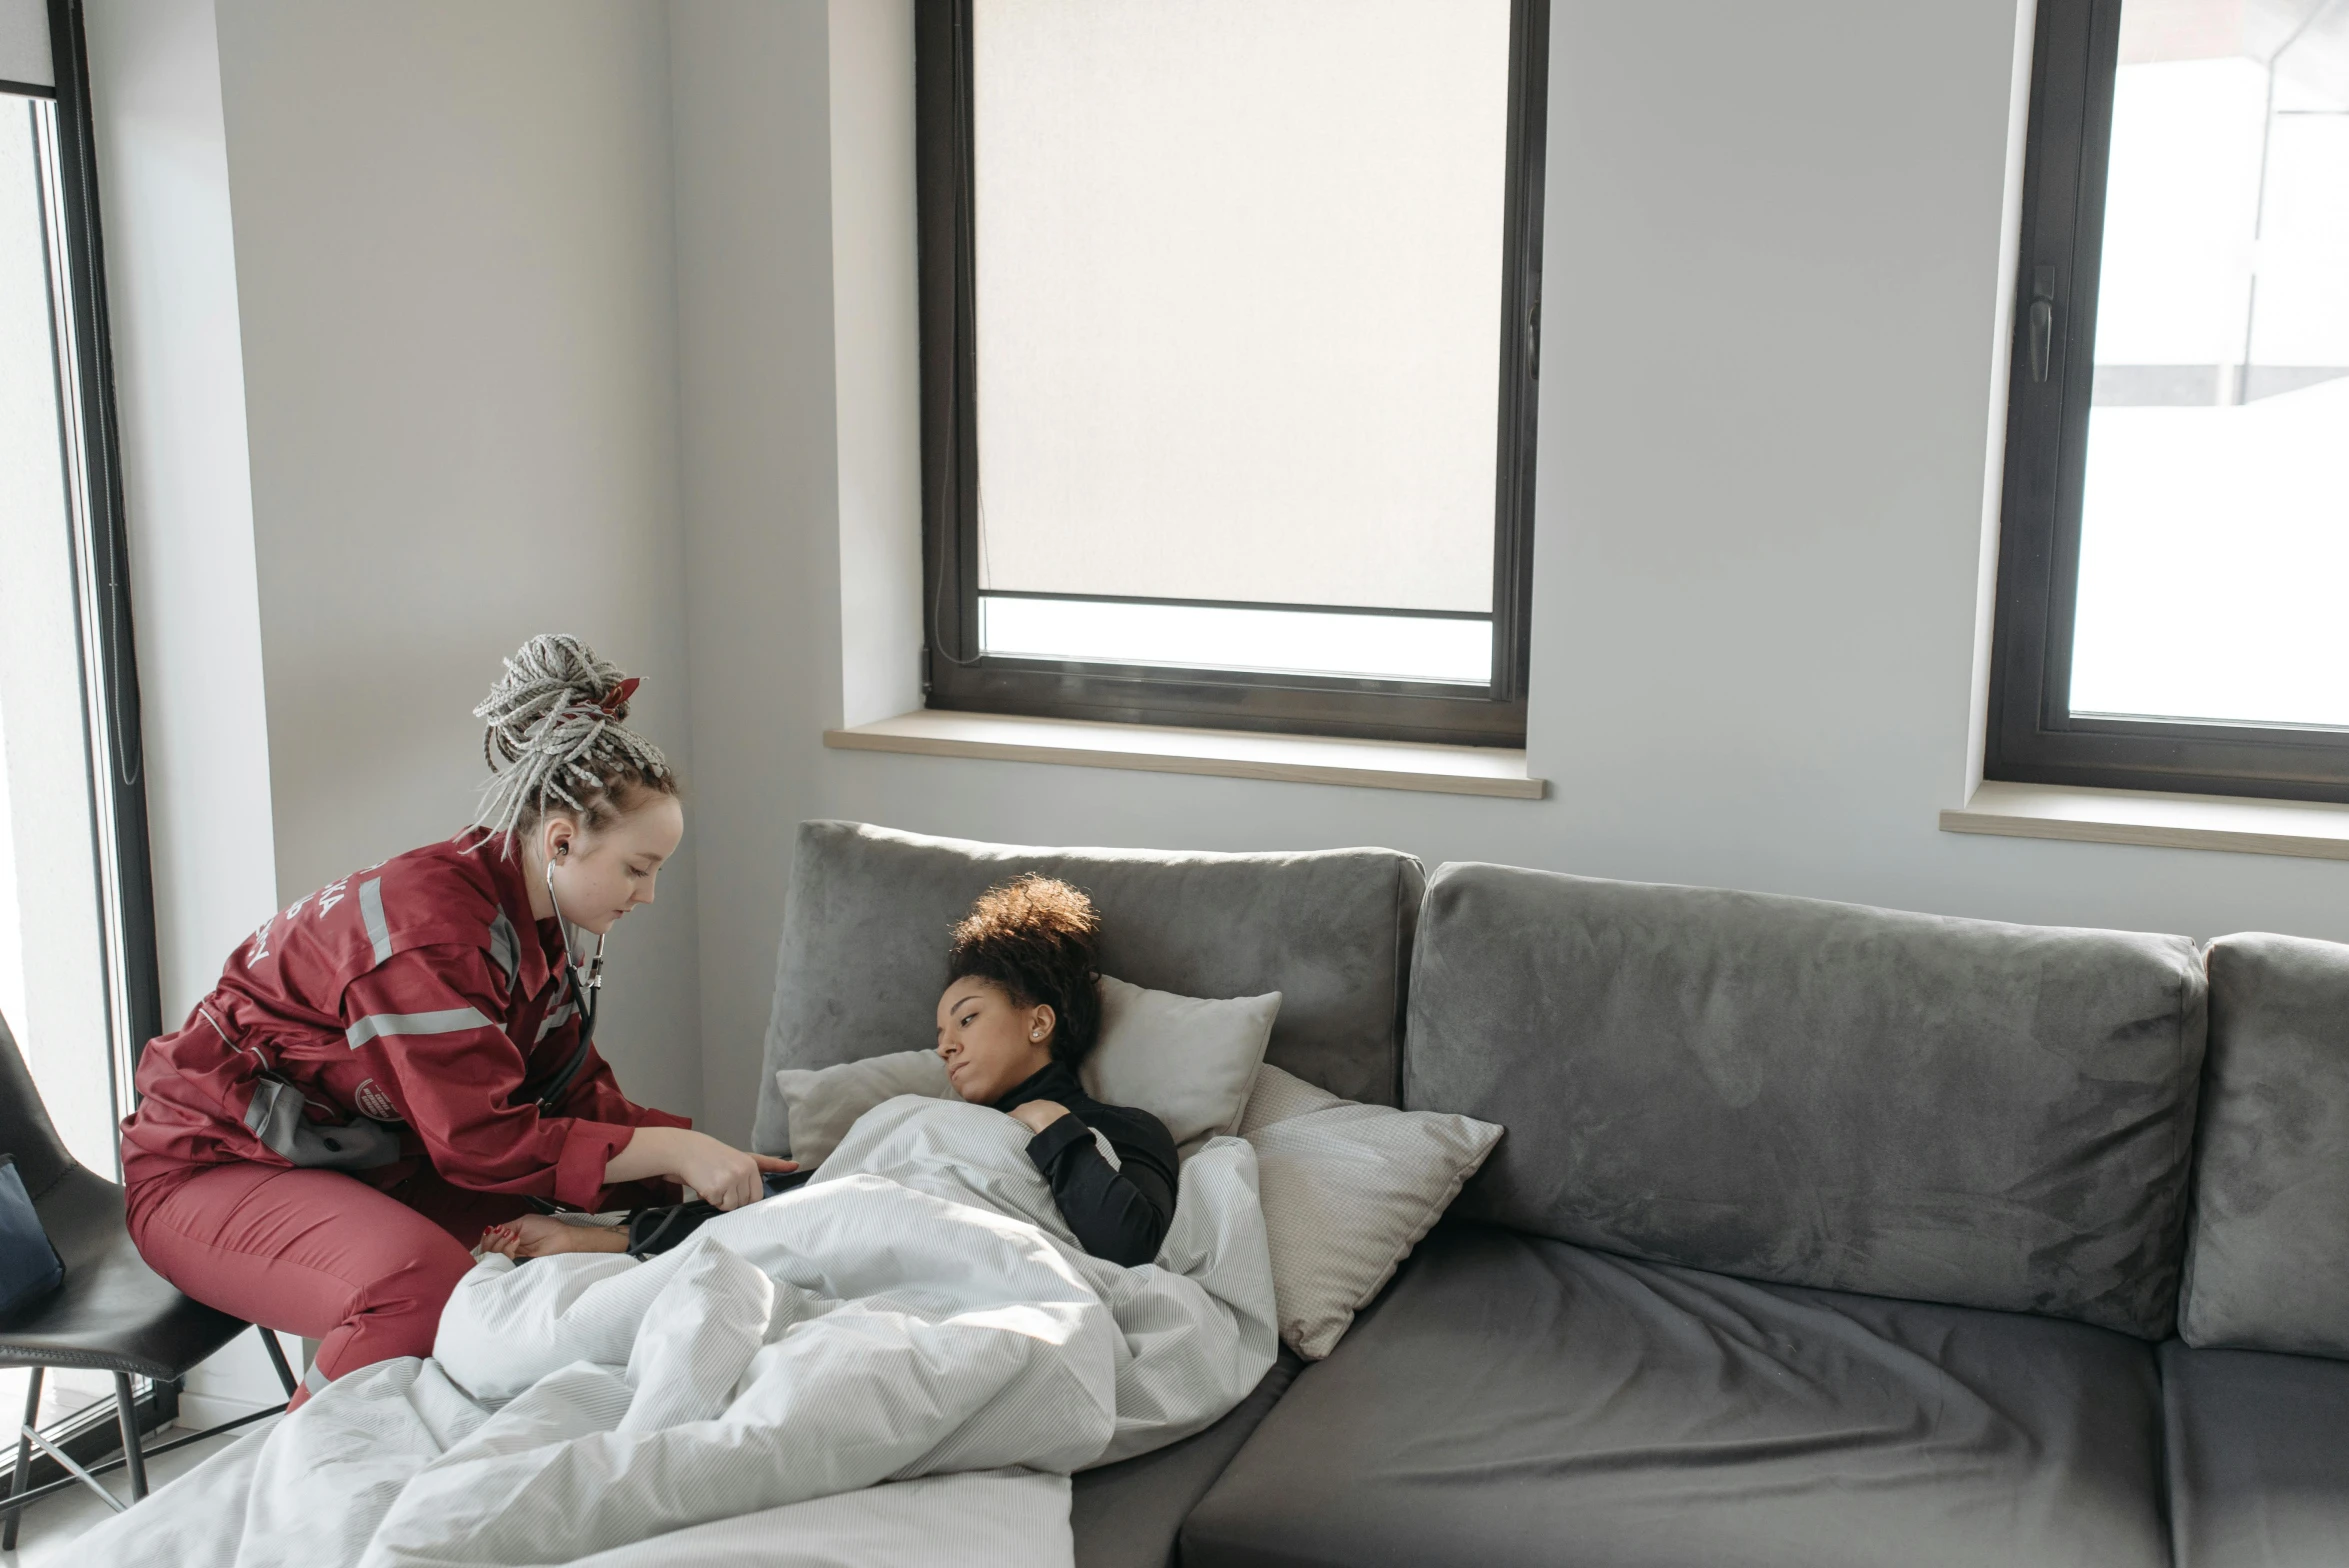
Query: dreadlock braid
(556, 736)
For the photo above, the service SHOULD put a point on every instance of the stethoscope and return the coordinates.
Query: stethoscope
(595, 963)
(587, 986)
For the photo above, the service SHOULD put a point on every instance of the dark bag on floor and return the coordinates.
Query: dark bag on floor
(29, 1265)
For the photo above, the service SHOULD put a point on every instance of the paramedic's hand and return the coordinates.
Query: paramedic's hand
(721, 1173)
(1037, 1115)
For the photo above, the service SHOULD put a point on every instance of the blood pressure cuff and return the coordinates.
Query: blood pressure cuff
(653, 1231)
(29, 1265)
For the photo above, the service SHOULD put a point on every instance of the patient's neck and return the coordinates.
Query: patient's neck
(1052, 1081)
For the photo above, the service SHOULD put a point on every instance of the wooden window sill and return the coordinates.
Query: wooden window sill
(1237, 754)
(2308, 829)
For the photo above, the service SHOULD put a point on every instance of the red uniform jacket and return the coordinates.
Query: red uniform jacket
(418, 993)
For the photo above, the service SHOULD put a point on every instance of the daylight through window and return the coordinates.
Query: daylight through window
(1241, 299)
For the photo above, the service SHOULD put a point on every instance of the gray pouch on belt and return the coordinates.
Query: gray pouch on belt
(275, 1117)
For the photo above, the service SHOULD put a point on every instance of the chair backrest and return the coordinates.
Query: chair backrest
(864, 945)
(25, 1128)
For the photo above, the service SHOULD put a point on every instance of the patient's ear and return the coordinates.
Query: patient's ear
(1040, 1021)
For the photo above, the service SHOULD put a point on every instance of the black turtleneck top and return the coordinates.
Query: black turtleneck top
(1119, 1214)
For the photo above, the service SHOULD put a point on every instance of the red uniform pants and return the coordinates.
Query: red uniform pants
(363, 1271)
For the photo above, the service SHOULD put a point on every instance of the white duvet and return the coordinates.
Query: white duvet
(899, 1363)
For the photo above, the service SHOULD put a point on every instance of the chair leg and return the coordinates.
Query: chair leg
(285, 1373)
(24, 1459)
(126, 1410)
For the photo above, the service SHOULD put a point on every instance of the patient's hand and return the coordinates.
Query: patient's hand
(538, 1236)
(1037, 1115)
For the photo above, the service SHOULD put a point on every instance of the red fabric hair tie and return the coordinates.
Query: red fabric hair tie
(617, 697)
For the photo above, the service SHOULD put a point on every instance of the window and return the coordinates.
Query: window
(2176, 512)
(77, 947)
(77, 944)
(1229, 317)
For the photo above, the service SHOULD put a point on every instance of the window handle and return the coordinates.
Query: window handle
(2042, 321)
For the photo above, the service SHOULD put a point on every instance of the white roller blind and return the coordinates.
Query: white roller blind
(1239, 271)
(24, 44)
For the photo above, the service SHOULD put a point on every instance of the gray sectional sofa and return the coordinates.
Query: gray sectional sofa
(1820, 1235)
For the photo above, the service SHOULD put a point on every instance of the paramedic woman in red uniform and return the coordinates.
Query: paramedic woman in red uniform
(404, 1057)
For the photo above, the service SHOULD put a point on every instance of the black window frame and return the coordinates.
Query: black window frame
(955, 674)
(100, 545)
(2032, 736)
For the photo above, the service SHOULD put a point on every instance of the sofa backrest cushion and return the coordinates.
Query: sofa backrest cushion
(2267, 1252)
(865, 930)
(1819, 1094)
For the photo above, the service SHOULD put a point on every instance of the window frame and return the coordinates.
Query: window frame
(90, 450)
(2031, 735)
(954, 673)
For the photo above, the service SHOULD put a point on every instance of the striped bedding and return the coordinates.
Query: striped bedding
(901, 1362)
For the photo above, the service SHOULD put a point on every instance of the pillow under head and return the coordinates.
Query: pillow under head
(1189, 1061)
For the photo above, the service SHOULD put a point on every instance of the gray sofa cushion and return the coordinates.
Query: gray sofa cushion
(2258, 1449)
(1819, 1094)
(1127, 1515)
(864, 945)
(2267, 1258)
(1515, 1401)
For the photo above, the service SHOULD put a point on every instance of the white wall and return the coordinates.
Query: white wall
(1774, 316)
(180, 395)
(877, 368)
(754, 270)
(179, 387)
(598, 316)
(453, 261)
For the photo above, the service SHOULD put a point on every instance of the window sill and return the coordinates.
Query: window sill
(2307, 829)
(1145, 748)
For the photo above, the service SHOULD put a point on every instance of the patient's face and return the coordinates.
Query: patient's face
(989, 1042)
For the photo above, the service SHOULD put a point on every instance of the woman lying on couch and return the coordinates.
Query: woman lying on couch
(1021, 1010)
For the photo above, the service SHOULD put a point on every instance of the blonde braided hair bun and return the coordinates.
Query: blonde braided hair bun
(555, 736)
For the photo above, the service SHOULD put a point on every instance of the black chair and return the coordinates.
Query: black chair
(112, 1313)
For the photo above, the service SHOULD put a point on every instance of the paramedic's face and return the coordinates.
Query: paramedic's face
(604, 875)
(989, 1043)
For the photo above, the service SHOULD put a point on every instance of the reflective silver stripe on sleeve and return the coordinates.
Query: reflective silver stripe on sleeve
(315, 1380)
(555, 1020)
(449, 1020)
(505, 948)
(371, 909)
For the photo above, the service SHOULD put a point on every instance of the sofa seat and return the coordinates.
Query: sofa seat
(2258, 1448)
(1126, 1515)
(1513, 1400)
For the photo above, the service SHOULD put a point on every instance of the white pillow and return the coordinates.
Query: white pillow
(1187, 1060)
(822, 1103)
(1348, 1191)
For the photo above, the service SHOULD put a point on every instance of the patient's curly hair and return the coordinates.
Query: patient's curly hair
(1039, 939)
